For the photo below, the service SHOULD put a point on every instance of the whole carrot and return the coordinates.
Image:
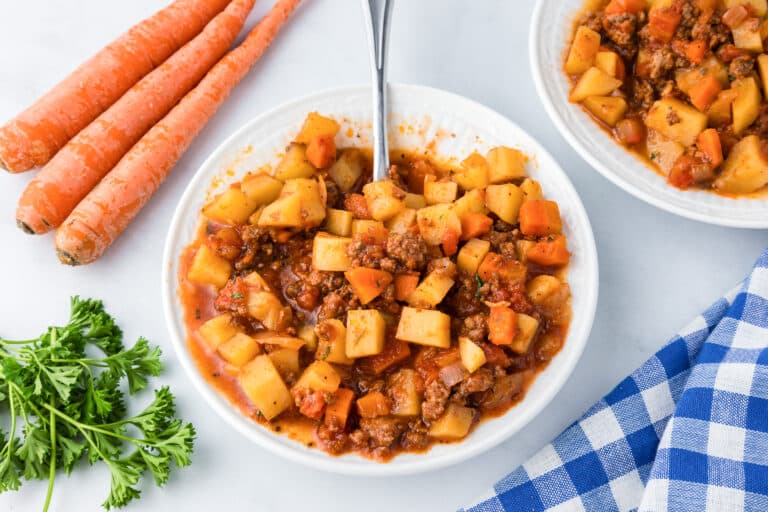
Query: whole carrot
(100, 218)
(83, 162)
(35, 135)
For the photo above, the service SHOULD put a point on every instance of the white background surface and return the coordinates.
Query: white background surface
(657, 271)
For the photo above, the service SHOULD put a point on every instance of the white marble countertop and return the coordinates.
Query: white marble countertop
(657, 270)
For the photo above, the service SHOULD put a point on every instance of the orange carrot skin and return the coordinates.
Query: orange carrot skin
(100, 218)
(35, 135)
(502, 325)
(80, 165)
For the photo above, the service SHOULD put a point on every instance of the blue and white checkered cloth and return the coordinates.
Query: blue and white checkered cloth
(687, 431)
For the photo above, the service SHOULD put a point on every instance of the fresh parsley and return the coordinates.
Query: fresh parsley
(66, 404)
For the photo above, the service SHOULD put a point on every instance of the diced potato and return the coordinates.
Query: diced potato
(594, 83)
(454, 424)
(265, 307)
(332, 342)
(307, 333)
(347, 169)
(301, 204)
(294, 164)
(522, 246)
(261, 188)
(371, 229)
(473, 173)
(747, 36)
(712, 65)
(531, 190)
(762, 67)
(286, 360)
(686, 78)
(231, 207)
(540, 288)
(759, 6)
(435, 221)
(443, 191)
(338, 222)
(424, 327)
(676, 120)
(263, 386)
(609, 109)
(281, 340)
(218, 329)
(316, 125)
(610, 63)
(719, 113)
(365, 333)
(663, 151)
(584, 48)
(403, 390)
(239, 349)
(746, 168)
(431, 291)
(209, 268)
(505, 164)
(505, 201)
(415, 201)
(254, 280)
(746, 106)
(384, 199)
(329, 253)
(472, 201)
(253, 220)
(402, 222)
(526, 332)
(472, 356)
(319, 376)
(472, 254)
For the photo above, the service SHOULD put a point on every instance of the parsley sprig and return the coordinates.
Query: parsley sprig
(64, 393)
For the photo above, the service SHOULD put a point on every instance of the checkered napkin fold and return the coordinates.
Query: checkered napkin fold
(687, 431)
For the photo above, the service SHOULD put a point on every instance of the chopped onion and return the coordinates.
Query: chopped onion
(453, 374)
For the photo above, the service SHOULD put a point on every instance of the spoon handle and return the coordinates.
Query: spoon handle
(377, 15)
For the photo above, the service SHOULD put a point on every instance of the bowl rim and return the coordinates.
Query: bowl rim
(537, 71)
(329, 463)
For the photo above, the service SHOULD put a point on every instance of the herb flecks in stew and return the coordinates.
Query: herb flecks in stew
(376, 317)
(679, 82)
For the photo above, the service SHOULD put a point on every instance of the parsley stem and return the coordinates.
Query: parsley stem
(81, 426)
(52, 472)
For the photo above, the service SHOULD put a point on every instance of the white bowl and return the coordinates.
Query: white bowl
(421, 115)
(550, 34)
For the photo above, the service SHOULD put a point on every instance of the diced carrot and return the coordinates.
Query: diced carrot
(708, 142)
(614, 7)
(313, 405)
(695, 51)
(357, 204)
(495, 264)
(663, 22)
(450, 242)
(540, 217)
(704, 92)
(728, 52)
(368, 283)
(338, 407)
(404, 285)
(474, 225)
(373, 404)
(321, 151)
(395, 351)
(625, 6)
(502, 325)
(549, 252)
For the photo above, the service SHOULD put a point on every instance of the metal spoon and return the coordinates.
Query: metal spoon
(377, 15)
